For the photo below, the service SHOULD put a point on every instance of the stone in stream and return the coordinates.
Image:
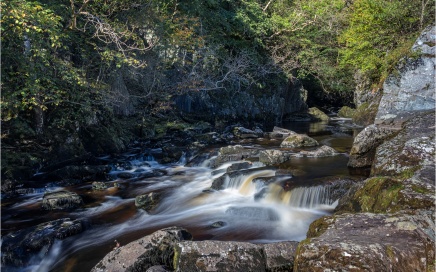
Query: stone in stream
(20, 246)
(156, 249)
(317, 115)
(280, 133)
(99, 185)
(61, 200)
(234, 153)
(273, 157)
(323, 151)
(298, 140)
(148, 201)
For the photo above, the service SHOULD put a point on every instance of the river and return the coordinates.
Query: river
(247, 209)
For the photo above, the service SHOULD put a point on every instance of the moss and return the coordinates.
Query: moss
(421, 189)
(319, 226)
(379, 195)
(176, 257)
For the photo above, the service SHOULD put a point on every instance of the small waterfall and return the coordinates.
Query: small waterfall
(244, 183)
(308, 197)
(301, 197)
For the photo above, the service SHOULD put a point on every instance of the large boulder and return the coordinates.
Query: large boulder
(156, 249)
(413, 87)
(369, 242)
(61, 200)
(20, 246)
(365, 143)
(298, 140)
(234, 256)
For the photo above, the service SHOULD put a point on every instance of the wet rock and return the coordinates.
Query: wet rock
(148, 201)
(298, 140)
(245, 133)
(99, 186)
(273, 157)
(219, 182)
(156, 249)
(317, 115)
(365, 143)
(346, 112)
(219, 256)
(369, 242)
(280, 133)
(239, 166)
(19, 247)
(61, 200)
(218, 224)
(323, 151)
(234, 153)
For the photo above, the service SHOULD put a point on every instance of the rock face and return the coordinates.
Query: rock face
(298, 140)
(264, 105)
(156, 249)
(61, 200)
(19, 247)
(368, 242)
(412, 148)
(413, 89)
(233, 256)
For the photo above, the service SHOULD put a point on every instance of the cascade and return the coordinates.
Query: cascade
(308, 197)
(244, 183)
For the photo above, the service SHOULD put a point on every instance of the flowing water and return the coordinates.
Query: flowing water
(247, 209)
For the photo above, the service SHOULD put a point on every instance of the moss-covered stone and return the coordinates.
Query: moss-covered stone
(346, 112)
(317, 115)
(319, 226)
(298, 140)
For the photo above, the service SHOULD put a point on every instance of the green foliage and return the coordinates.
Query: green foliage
(380, 32)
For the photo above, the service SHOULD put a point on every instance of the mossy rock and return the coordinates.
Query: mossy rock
(318, 115)
(298, 140)
(387, 195)
(346, 112)
(319, 226)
